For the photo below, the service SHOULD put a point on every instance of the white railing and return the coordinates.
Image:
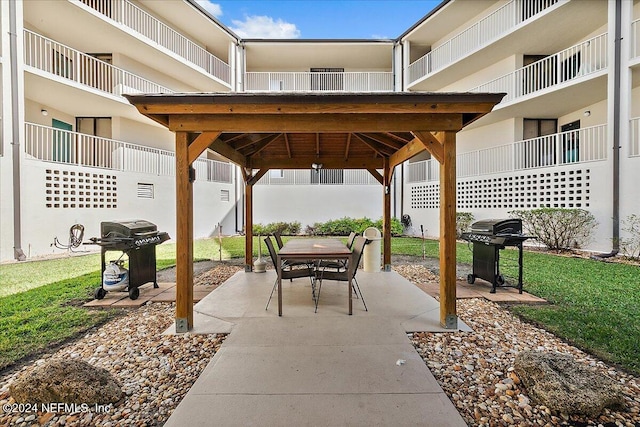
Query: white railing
(321, 81)
(479, 34)
(131, 16)
(55, 58)
(576, 146)
(577, 61)
(635, 38)
(321, 177)
(634, 149)
(61, 146)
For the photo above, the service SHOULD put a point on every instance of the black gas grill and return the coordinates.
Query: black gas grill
(137, 239)
(488, 238)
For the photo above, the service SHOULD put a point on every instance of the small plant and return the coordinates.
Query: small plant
(558, 229)
(631, 245)
(463, 222)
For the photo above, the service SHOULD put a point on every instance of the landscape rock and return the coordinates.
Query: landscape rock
(66, 381)
(558, 382)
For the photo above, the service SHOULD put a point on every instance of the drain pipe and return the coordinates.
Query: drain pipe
(18, 253)
(617, 65)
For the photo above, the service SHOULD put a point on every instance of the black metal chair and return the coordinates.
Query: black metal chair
(290, 263)
(287, 273)
(339, 264)
(348, 273)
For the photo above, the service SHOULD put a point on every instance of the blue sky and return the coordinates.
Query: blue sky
(319, 19)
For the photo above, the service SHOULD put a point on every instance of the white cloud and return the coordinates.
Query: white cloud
(264, 27)
(213, 8)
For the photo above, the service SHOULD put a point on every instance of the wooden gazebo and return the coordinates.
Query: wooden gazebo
(371, 131)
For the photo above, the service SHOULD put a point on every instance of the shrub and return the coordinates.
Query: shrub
(284, 228)
(558, 228)
(344, 226)
(631, 245)
(463, 222)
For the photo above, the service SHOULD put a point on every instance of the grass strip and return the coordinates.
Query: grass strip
(36, 320)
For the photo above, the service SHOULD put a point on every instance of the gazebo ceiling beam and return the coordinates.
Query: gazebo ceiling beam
(346, 148)
(312, 123)
(286, 143)
(225, 150)
(263, 144)
(249, 140)
(374, 145)
(432, 144)
(410, 150)
(305, 162)
(383, 139)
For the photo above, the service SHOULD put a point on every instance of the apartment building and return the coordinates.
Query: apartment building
(73, 150)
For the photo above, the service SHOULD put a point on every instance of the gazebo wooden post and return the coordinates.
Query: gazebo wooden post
(184, 235)
(448, 315)
(386, 215)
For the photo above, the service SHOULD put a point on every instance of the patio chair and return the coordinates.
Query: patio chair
(349, 273)
(290, 263)
(289, 273)
(339, 264)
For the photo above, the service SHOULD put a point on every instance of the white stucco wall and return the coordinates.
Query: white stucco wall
(315, 203)
(42, 224)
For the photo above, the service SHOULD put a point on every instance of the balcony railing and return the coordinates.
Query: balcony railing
(319, 82)
(320, 177)
(126, 13)
(486, 30)
(571, 147)
(577, 61)
(635, 38)
(55, 58)
(634, 150)
(60, 146)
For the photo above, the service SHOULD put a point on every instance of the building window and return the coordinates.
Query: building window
(571, 142)
(539, 145)
(327, 79)
(327, 176)
(145, 191)
(96, 152)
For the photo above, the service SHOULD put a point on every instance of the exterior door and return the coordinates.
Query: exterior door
(62, 148)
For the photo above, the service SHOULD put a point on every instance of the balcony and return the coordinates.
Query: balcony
(319, 81)
(586, 58)
(72, 65)
(560, 149)
(490, 28)
(131, 16)
(48, 144)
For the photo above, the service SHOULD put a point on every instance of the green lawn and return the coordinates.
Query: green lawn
(595, 305)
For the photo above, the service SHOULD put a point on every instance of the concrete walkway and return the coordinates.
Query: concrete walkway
(325, 368)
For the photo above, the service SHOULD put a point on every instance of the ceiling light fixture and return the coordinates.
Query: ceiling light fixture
(316, 166)
(44, 112)
(587, 113)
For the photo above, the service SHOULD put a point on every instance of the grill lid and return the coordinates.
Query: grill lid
(498, 226)
(128, 228)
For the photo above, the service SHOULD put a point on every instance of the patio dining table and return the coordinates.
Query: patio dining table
(311, 249)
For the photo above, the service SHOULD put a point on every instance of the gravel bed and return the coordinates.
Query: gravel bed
(475, 369)
(154, 370)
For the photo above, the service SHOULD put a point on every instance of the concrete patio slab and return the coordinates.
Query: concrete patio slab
(324, 368)
(310, 410)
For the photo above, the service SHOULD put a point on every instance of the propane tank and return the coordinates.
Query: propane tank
(115, 277)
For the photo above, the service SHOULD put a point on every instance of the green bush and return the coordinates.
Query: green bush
(284, 228)
(558, 228)
(344, 226)
(463, 222)
(630, 245)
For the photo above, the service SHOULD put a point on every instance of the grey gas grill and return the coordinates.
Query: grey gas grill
(488, 238)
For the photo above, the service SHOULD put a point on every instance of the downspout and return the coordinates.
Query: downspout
(617, 65)
(18, 253)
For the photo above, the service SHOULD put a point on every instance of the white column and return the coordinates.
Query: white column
(406, 60)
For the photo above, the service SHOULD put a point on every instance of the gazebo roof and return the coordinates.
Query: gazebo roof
(292, 131)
